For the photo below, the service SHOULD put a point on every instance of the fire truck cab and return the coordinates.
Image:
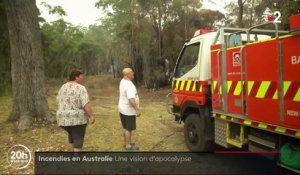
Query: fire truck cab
(241, 88)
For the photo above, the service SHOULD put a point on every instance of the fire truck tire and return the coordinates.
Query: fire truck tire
(195, 134)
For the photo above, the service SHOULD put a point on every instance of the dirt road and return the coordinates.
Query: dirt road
(156, 129)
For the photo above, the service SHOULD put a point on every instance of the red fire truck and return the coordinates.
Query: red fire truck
(241, 88)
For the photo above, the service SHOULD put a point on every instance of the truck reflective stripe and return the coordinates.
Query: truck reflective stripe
(275, 96)
(191, 85)
(187, 88)
(229, 83)
(182, 85)
(194, 86)
(214, 85)
(263, 89)
(271, 90)
(250, 85)
(223, 116)
(286, 85)
(238, 88)
(279, 129)
(297, 96)
(246, 122)
(232, 88)
(264, 126)
(177, 84)
(215, 50)
(261, 125)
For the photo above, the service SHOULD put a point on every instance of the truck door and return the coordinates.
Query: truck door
(186, 74)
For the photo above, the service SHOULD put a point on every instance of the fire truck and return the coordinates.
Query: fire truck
(240, 87)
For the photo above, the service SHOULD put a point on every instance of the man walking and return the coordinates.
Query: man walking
(128, 107)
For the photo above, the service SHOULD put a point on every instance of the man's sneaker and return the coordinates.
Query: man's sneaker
(130, 144)
(133, 147)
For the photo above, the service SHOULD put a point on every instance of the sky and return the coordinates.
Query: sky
(84, 13)
(79, 12)
(215, 5)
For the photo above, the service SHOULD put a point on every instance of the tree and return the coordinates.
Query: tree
(27, 65)
(241, 13)
(4, 53)
(123, 25)
(146, 34)
(60, 47)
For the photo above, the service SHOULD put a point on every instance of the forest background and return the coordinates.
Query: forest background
(147, 35)
(144, 35)
(141, 34)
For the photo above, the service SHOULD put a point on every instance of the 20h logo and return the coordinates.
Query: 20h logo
(19, 156)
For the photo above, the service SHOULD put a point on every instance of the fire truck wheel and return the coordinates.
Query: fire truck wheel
(195, 136)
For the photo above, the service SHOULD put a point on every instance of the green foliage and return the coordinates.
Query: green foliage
(60, 42)
(66, 47)
(136, 33)
(63, 45)
(144, 33)
(56, 10)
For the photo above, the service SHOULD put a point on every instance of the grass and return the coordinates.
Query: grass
(156, 129)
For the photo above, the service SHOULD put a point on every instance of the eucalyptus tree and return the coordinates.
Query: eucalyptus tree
(67, 46)
(146, 33)
(5, 71)
(61, 43)
(104, 48)
(27, 64)
(122, 21)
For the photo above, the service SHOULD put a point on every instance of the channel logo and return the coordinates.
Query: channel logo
(19, 156)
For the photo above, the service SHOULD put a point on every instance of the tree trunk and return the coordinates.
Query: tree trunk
(27, 64)
(159, 31)
(251, 13)
(134, 40)
(186, 19)
(241, 12)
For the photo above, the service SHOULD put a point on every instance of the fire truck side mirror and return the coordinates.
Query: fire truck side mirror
(171, 75)
(167, 68)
